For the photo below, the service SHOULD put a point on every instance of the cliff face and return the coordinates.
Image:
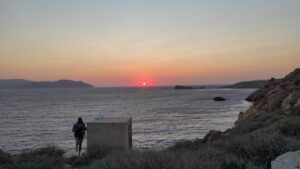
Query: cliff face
(277, 94)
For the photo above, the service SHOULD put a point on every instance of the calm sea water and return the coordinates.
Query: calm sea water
(33, 118)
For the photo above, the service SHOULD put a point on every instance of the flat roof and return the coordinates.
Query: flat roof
(112, 120)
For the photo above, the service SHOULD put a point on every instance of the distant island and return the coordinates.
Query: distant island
(248, 84)
(240, 85)
(188, 87)
(21, 83)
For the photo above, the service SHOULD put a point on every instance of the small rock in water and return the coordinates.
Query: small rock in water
(219, 99)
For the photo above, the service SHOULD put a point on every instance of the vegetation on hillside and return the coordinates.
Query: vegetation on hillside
(43, 158)
(251, 146)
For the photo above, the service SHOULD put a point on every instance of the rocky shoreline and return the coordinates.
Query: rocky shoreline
(278, 95)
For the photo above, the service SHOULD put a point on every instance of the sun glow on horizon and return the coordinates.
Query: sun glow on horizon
(149, 43)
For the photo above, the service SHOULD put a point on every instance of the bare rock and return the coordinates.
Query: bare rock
(297, 104)
(70, 154)
(293, 75)
(289, 160)
(291, 100)
(275, 95)
(211, 136)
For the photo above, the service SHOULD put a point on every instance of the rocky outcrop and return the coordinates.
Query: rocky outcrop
(277, 94)
(268, 129)
(211, 136)
(291, 100)
(289, 160)
(219, 99)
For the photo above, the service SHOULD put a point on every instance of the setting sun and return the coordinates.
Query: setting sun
(184, 80)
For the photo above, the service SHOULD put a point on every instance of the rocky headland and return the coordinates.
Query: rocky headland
(269, 128)
(276, 95)
(278, 100)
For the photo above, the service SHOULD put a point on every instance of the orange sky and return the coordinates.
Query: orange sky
(158, 42)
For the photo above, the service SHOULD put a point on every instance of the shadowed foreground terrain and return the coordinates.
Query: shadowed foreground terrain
(266, 130)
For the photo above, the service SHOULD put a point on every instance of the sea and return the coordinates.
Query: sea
(162, 116)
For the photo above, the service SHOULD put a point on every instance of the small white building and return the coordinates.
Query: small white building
(113, 132)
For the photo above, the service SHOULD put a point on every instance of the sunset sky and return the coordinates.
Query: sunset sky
(161, 42)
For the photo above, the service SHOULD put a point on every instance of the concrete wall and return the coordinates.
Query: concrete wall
(111, 132)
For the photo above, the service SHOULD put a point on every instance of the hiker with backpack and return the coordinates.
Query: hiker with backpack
(79, 133)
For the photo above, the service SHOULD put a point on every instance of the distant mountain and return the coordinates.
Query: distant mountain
(20, 83)
(198, 86)
(240, 85)
(248, 84)
(13, 83)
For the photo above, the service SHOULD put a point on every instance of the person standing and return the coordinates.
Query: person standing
(79, 133)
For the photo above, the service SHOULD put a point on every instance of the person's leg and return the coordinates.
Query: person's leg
(80, 144)
(77, 143)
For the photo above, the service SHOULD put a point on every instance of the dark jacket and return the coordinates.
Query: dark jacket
(79, 130)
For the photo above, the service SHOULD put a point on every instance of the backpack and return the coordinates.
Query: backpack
(77, 128)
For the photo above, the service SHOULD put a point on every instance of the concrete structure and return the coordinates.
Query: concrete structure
(111, 132)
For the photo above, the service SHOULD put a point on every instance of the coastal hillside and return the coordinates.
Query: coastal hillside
(20, 83)
(269, 128)
(278, 94)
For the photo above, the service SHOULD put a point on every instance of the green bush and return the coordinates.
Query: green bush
(252, 144)
(191, 145)
(44, 158)
(85, 159)
(137, 160)
(5, 158)
(290, 127)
